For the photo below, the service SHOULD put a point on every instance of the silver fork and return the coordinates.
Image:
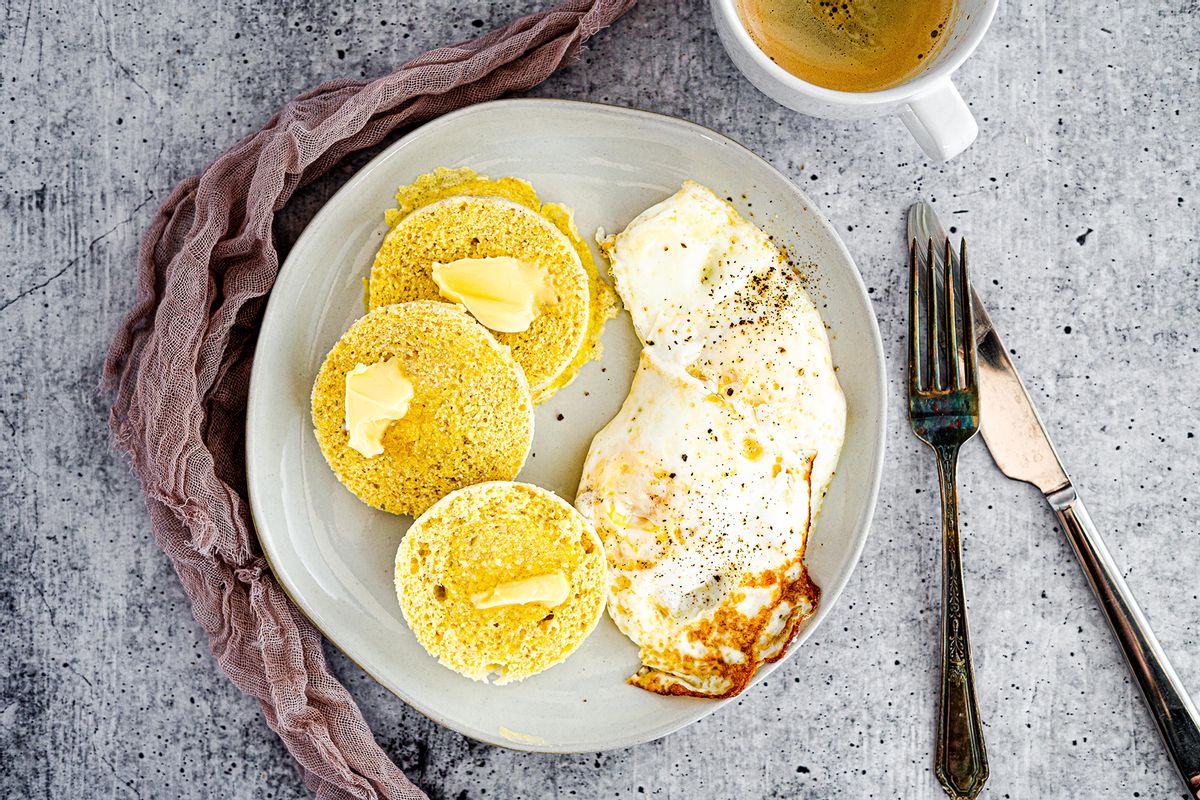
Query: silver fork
(943, 407)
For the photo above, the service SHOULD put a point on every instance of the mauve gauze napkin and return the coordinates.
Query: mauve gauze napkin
(180, 368)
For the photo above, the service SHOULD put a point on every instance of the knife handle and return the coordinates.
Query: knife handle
(1169, 704)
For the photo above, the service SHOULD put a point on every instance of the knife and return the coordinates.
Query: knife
(1021, 448)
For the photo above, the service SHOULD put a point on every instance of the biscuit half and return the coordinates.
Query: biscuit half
(452, 214)
(470, 418)
(491, 534)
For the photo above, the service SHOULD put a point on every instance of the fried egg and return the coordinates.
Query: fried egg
(706, 483)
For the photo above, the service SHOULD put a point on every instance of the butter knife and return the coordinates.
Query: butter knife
(1018, 442)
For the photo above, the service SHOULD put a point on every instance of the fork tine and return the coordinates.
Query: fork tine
(968, 315)
(915, 372)
(932, 316)
(953, 377)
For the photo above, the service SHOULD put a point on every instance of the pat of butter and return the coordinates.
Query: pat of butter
(550, 590)
(376, 396)
(504, 293)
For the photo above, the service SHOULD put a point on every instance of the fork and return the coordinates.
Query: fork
(943, 407)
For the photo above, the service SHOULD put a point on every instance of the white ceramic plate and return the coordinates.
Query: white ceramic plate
(334, 555)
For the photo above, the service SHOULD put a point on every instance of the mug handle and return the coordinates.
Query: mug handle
(940, 122)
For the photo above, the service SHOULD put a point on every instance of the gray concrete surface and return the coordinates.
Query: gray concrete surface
(1081, 202)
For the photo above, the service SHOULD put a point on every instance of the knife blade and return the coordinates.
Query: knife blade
(1017, 439)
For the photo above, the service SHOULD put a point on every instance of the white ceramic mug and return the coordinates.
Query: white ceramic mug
(928, 104)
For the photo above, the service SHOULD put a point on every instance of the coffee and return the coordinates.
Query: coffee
(849, 45)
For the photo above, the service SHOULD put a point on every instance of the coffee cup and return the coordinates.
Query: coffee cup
(927, 102)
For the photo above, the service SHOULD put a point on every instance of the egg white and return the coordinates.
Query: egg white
(705, 484)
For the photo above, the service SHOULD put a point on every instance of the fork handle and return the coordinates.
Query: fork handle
(961, 761)
(1168, 701)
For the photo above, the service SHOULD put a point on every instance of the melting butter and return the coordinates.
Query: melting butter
(550, 590)
(376, 396)
(504, 293)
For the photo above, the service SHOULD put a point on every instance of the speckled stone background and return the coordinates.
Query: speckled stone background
(1081, 203)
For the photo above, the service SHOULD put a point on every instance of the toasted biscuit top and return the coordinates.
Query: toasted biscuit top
(451, 214)
(470, 418)
(507, 535)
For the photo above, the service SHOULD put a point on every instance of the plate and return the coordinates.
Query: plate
(334, 555)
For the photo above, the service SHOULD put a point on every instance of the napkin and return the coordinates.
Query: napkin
(180, 370)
